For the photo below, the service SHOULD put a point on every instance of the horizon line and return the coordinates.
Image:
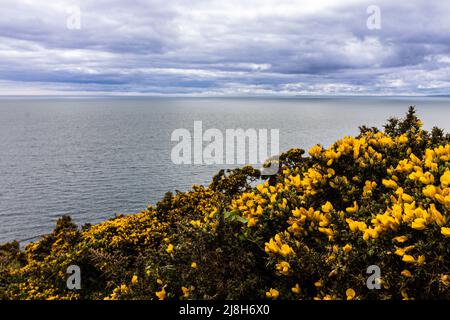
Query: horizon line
(296, 96)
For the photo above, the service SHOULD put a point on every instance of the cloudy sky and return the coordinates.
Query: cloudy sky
(225, 47)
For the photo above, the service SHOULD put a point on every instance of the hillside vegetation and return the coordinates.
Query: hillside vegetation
(381, 198)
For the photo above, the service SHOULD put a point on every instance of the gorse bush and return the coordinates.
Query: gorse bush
(381, 198)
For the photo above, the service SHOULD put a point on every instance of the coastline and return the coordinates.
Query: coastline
(310, 232)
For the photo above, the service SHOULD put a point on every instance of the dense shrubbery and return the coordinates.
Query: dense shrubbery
(381, 198)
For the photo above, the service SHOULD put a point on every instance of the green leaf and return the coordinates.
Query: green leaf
(241, 219)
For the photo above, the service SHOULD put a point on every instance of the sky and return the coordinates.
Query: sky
(224, 48)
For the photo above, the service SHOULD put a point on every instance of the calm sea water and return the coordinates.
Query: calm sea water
(93, 158)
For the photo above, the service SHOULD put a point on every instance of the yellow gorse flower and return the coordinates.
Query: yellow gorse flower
(186, 292)
(161, 295)
(402, 139)
(315, 151)
(327, 207)
(390, 184)
(445, 179)
(419, 224)
(347, 248)
(445, 231)
(296, 289)
(350, 293)
(400, 239)
(319, 283)
(169, 248)
(283, 267)
(406, 273)
(445, 280)
(272, 293)
(352, 209)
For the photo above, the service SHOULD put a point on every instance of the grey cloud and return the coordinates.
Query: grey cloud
(227, 47)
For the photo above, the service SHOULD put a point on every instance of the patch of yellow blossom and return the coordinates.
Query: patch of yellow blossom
(252, 205)
(277, 246)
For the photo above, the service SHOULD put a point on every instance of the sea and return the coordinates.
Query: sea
(95, 157)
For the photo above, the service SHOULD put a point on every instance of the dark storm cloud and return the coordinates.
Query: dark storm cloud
(225, 47)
